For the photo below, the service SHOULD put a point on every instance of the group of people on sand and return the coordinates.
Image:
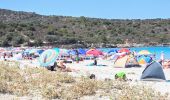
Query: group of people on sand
(59, 66)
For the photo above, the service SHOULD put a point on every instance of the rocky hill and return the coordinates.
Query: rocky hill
(28, 28)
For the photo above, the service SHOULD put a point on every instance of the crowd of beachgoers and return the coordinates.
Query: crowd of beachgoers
(77, 55)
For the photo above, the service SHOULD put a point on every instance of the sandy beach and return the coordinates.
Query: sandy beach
(107, 71)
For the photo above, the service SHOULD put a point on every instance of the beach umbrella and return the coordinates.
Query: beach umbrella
(48, 57)
(124, 50)
(17, 50)
(33, 51)
(82, 51)
(56, 49)
(94, 52)
(63, 52)
(2, 50)
(40, 51)
(72, 52)
(79, 51)
(144, 59)
(144, 52)
(112, 51)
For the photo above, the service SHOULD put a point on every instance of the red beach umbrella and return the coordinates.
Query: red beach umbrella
(124, 50)
(94, 52)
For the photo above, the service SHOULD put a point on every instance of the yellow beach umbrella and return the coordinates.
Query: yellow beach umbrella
(144, 52)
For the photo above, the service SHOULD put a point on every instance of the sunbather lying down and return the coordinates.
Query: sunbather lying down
(63, 68)
(59, 66)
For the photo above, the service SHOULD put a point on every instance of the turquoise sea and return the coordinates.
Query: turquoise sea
(155, 50)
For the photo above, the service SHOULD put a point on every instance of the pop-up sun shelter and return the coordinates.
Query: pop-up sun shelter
(126, 62)
(153, 72)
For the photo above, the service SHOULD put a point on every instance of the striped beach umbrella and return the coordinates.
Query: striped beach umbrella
(48, 57)
(144, 60)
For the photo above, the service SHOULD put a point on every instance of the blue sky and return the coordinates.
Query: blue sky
(110, 9)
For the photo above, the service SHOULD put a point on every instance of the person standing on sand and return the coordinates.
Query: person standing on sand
(161, 61)
(77, 56)
(95, 61)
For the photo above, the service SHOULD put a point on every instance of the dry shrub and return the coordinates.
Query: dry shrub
(118, 90)
(52, 85)
(48, 84)
(11, 80)
(85, 87)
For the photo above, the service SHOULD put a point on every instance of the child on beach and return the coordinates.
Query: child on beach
(121, 76)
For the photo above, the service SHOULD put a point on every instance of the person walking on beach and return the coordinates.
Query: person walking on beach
(77, 56)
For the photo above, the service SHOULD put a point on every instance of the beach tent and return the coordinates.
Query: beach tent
(126, 62)
(153, 72)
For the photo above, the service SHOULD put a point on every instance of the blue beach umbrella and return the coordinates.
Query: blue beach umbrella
(40, 51)
(72, 52)
(144, 59)
(82, 51)
(112, 51)
(48, 57)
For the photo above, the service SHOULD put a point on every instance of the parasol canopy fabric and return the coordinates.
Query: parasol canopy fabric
(124, 50)
(94, 52)
(144, 52)
(48, 57)
(144, 59)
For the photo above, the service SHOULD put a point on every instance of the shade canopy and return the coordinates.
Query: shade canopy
(124, 50)
(94, 52)
(144, 52)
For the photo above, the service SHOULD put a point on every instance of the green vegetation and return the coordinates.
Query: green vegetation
(39, 82)
(18, 28)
